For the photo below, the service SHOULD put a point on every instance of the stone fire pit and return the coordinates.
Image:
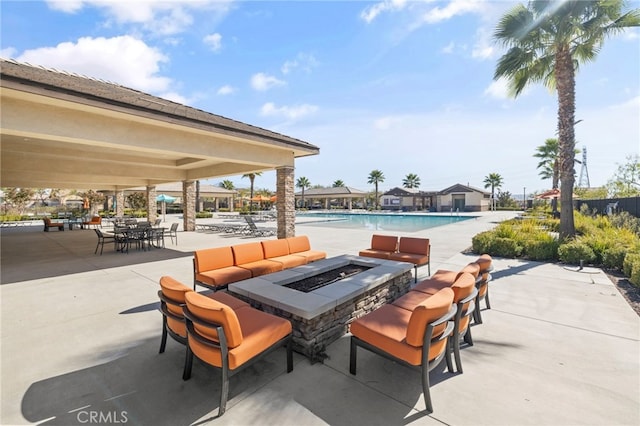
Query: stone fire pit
(324, 314)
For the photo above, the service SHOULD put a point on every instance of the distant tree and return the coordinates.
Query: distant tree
(137, 200)
(411, 181)
(376, 177)
(96, 198)
(626, 181)
(252, 178)
(338, 184)
(303, 183)
(493, 181)
(598, 193)
(549, 165)
(227, 184)
(18, 197)
(547, 40)
(505, 200)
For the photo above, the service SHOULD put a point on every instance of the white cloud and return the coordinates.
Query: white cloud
(164, 17)
(124, 60)
(290, 112)
(226, 90)
(454, 8)
(630, 34)
(385, 123)
(8, 52)
(371, 12)
(498, 89)
(214, 41)
(263, 82)
(448, 48)
(302, 61)
(484, 47)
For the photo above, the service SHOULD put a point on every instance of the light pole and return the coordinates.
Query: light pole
(524, 199)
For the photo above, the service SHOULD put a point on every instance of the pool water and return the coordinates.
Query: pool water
(380, 222)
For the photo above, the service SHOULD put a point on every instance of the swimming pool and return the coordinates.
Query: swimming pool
(379, 221)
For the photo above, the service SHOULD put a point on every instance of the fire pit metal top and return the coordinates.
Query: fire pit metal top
(270, 289)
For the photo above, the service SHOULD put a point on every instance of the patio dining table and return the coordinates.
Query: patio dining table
(144, 237)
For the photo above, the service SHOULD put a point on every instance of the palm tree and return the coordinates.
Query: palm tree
(494, 181)
(411, 181)
(338, 184)
(549, 165)
(303, 183)
(252, 178)
(227, 184)
(547, 40)
(376, 177)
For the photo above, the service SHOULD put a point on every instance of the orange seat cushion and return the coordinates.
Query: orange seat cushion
(262, 267)
(417, 259)
(378, 254)
(411, 299)
(223, 276)
(311, 255)
(441, 279)
(227, 299)
(290, 261)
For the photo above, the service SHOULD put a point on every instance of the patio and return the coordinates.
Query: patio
(80, 337)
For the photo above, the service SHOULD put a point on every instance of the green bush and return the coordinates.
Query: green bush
(541, 249)
(629, 260)
(481, 243)
(635, 274)
(204, 215)
(505, 247)
(613, 258)
(575, 251)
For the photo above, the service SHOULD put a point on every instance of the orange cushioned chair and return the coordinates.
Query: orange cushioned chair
(382, 246)
(414, 338)
(172, 299)
(214, 268)
(231, 340)
(278, 251)
(414, 250)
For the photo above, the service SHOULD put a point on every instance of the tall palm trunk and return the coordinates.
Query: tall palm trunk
(565, 83)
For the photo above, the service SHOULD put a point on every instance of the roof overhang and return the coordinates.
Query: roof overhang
(60, 130)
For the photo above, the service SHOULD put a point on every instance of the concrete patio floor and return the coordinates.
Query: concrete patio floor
(80, 335)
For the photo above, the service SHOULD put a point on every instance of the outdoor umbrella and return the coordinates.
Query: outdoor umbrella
(164, 199)
(549, 195)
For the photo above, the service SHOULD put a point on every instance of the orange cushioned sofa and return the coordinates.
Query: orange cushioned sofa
(215, 268)
(406, 249)
(49, 224)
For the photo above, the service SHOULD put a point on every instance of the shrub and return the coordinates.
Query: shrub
(629, 260)
(505, 247)
(575, 251)
(613, 258)
(204, 215)
(635, 274)
(481, 243)
(541, 249)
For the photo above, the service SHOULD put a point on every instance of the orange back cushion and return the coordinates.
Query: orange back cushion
(414, 245)
(274, 248)
(473, 268)
(463, 286)
(213, 258)
(246, 253)
(174, 290)
(384, 242)
(298, 244)
(216, 312)
(484, 261)
(428, 311)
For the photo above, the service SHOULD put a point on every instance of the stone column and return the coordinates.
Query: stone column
(189, 205)
(152, 204)
(285, 205)
(231, 204)
(119, 203)
(216, 205)
(350, 202)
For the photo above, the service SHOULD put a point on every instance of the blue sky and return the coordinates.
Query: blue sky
(399, 86)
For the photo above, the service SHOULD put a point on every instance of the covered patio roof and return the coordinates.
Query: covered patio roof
(62, 130)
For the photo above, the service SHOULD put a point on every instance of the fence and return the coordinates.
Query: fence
(612, 205)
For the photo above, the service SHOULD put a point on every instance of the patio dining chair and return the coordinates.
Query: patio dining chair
(172, 232)
(102, 239)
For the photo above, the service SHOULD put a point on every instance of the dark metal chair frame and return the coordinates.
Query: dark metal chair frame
(465, 334)
(425, 366)
(172, 232)
(480, 282)
(164, 301)
(222, 346)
